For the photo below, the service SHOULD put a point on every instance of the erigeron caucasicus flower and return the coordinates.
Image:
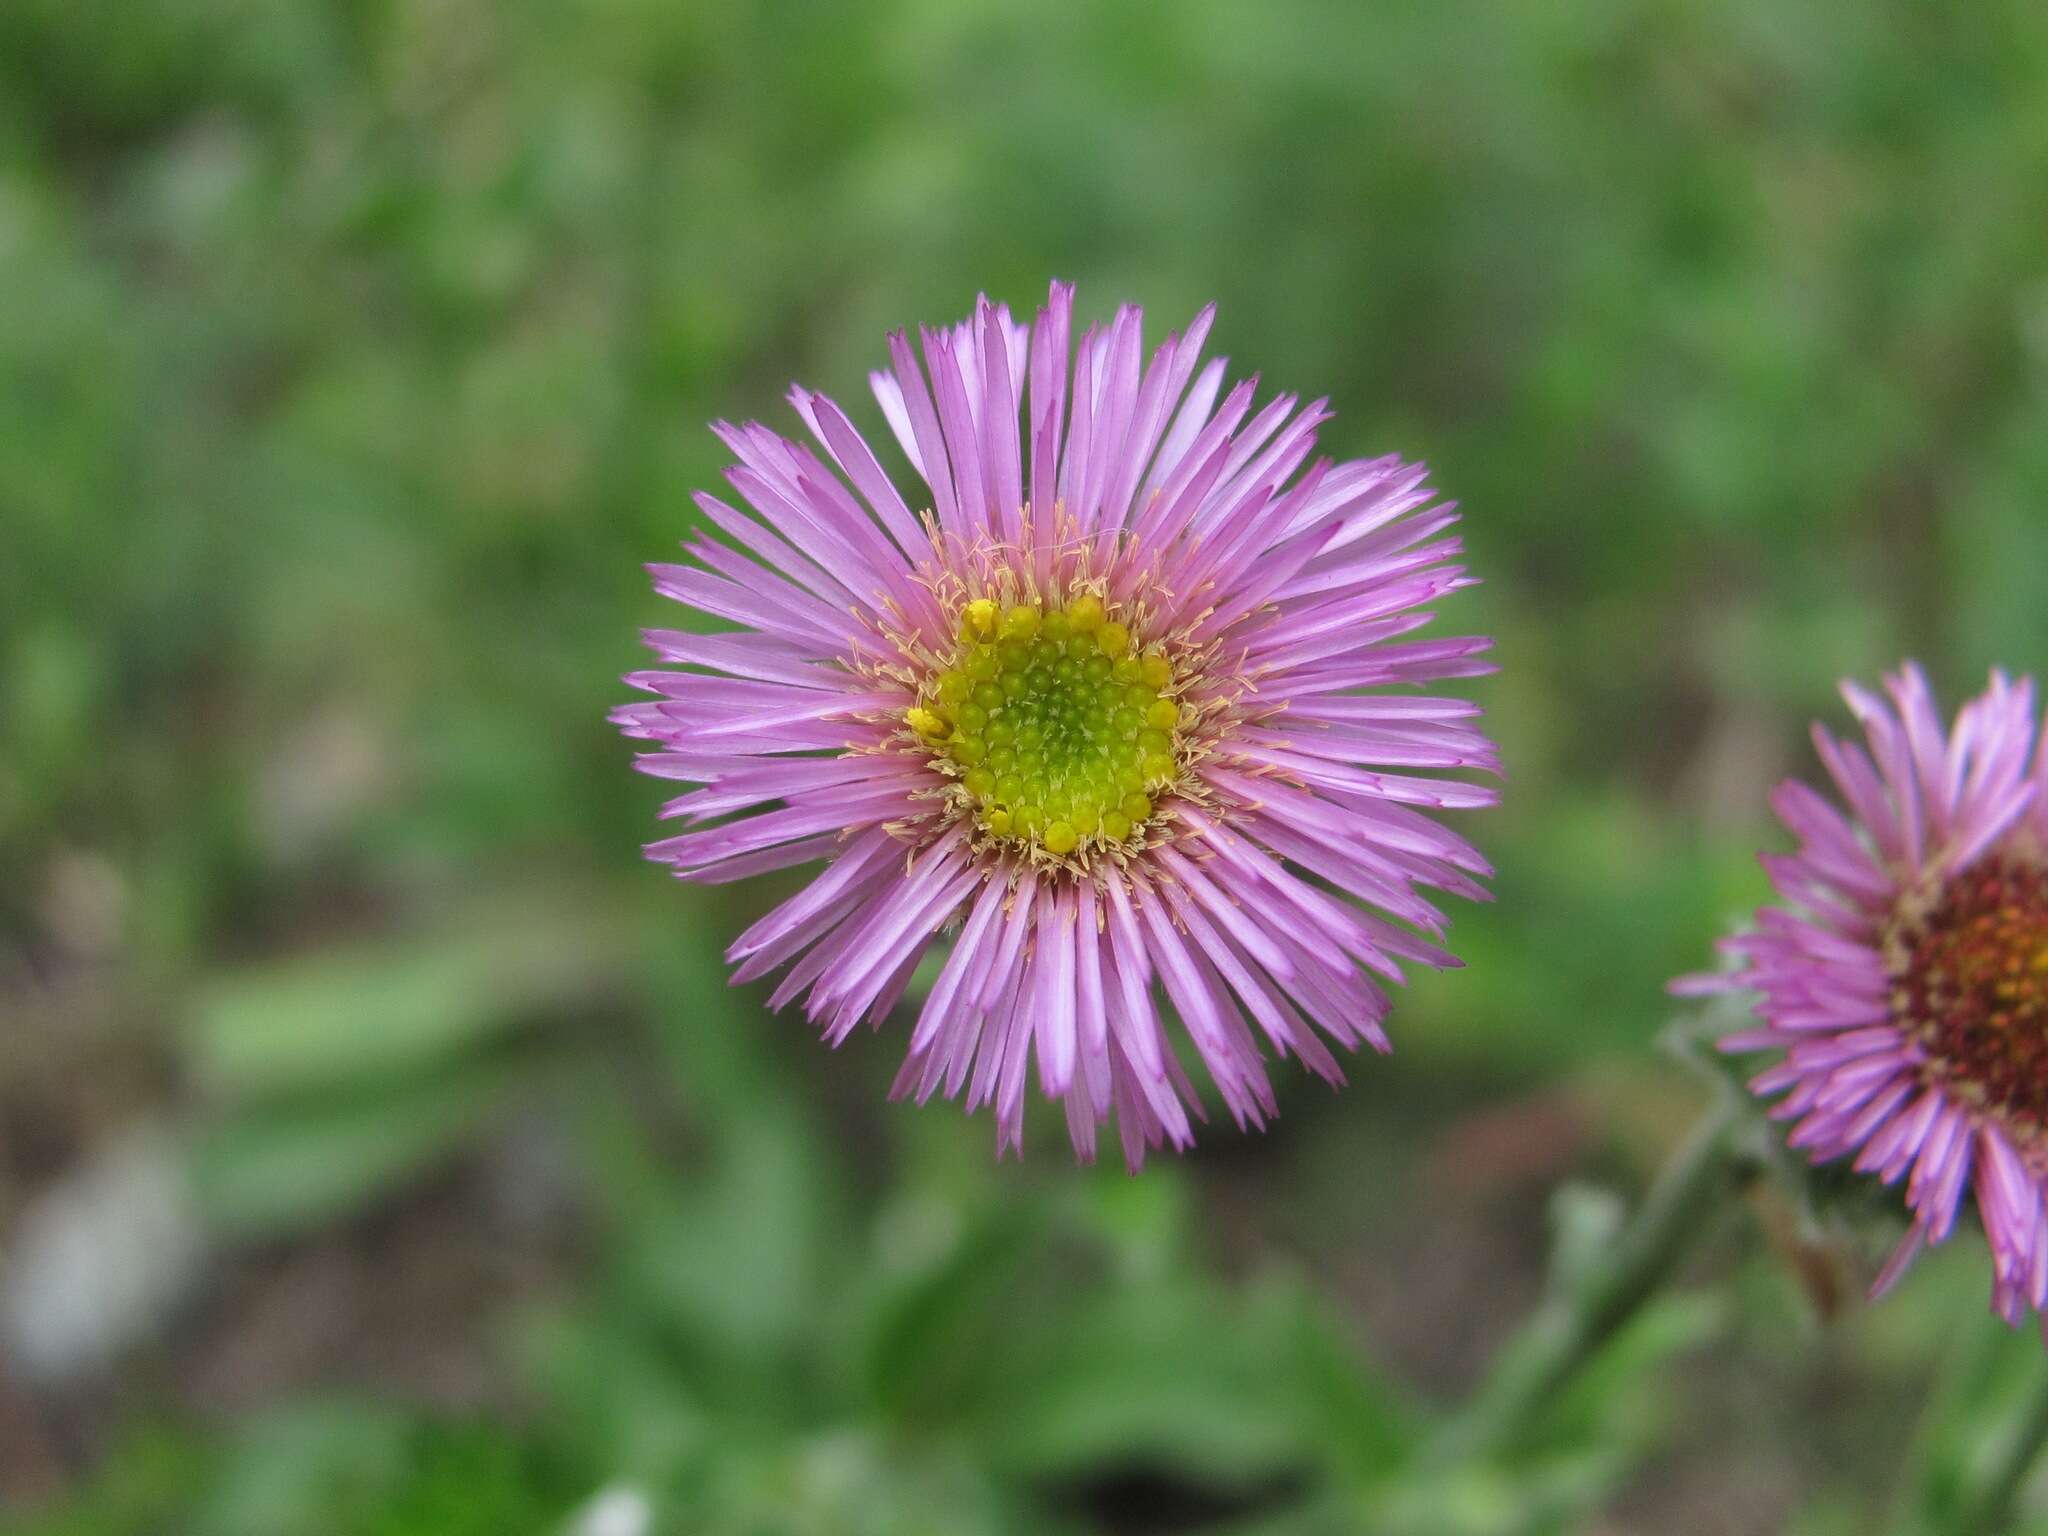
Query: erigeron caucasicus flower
(1114, 711)
(1905, 982)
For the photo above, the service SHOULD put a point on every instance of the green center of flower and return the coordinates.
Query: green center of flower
(1059, 733)
(1974, 981)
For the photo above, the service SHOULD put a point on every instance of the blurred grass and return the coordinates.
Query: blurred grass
(355, 355)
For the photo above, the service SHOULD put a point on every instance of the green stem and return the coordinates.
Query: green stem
(1573, 1323)
(1986, 1506)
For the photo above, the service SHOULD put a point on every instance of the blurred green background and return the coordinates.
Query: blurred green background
(380, 1148)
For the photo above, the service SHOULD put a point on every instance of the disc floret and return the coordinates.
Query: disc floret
(1061, 734)
(1972, 983)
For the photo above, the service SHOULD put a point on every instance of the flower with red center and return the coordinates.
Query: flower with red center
(1113, 711)
(1906, 981)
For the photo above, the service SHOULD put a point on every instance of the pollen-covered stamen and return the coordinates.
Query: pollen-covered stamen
(1061, 734)
(1972, 982)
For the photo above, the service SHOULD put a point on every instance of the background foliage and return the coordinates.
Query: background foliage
(380, 1149)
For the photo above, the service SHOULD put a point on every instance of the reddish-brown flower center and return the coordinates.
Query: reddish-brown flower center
(1973, 982)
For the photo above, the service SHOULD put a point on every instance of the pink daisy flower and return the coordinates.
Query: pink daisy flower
(1112, 712)
(1906, 980)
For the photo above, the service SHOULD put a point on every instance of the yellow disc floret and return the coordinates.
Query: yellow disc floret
(1060, 736)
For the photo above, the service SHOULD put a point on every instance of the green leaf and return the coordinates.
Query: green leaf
(292, 1470)
(146, 1478)
(343, 1017)
(1176, 1373)
(925, 1341)
(344, 1468)
(293, 1165)
(734, 1260)
(1617, 1401)
(1994, 1382)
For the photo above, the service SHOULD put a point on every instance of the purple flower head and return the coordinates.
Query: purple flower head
(1111, 712)
(1905, 980)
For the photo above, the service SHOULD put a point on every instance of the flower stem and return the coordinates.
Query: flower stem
(1986, 1506)
(1576, 1319)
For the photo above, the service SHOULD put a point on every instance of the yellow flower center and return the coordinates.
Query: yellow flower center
(1060, 735)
